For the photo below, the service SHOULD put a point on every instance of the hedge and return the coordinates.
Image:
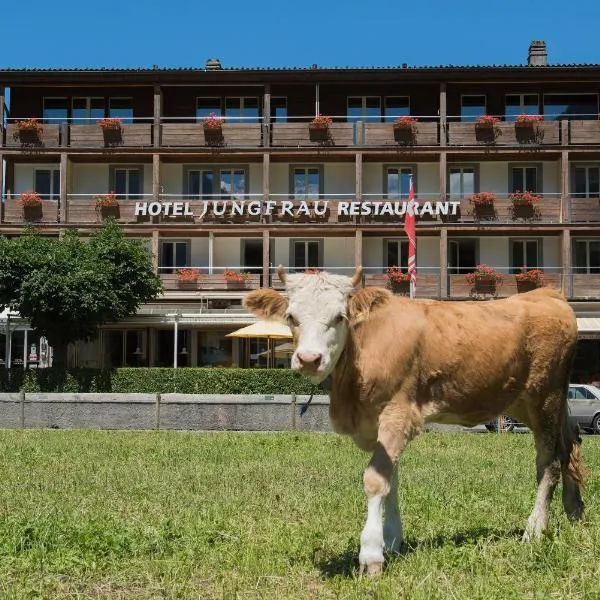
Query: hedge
(153, 380)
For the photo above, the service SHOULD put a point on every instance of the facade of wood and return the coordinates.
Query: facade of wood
(222, 170)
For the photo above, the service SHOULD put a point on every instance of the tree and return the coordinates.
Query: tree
(67, 287)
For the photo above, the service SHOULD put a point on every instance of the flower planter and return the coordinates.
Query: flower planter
(405, 134)
(485, 212)
(112, 135)
(109, 212)
(236, 285)
(527, 285)
(213, 136)
(525, 211)
(33, 212)
(526, 132)
(486, 133)
(484, 286)
(29, 137)
(401, 288)
(184, 284)
(318, 132)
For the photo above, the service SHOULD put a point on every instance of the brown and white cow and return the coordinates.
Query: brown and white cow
(397, 364)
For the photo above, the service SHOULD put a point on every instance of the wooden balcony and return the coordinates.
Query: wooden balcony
(231, 135)
(504, 134)
(428, 284)
(458, 287)
(384, 134)
(49, 138)
(206, 282)
(583, 210)
(584, 132)
(92, 136)
(503, 212)
(585, 285)
(15, 213)
(296, 135)
(82, 209)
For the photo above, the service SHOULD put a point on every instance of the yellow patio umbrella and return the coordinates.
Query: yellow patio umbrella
(272, 330)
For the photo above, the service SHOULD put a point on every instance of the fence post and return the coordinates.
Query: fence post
(22, 402)
(157, 411)
(293, 411)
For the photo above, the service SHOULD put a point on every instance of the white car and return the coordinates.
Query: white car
(584, 406)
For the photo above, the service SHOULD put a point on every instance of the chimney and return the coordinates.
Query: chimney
(538, 55)
(213, 64)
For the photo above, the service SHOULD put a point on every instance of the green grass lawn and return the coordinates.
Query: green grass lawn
(88, 514)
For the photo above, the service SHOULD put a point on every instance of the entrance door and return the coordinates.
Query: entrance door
(252, 256)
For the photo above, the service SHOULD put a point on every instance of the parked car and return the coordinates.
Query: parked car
(584, 406)
(508, 424)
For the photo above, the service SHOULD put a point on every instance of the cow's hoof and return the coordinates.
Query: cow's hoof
(372, 569)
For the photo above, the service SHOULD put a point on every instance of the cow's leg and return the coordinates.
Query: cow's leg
(395, 431)
(392, 522)
(572, 471)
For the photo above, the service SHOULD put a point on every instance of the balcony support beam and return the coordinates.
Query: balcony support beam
(567, 280)
(266, 259)
(156, 177)
(155, 250)
(443, 115)
(63, 179)
(565, 212)
(443, 263)
(266, 188)
(266, 116)
(358, 250)
(2, 196)
(2, 100)
(443, 175)
(157, 116)
(358, 177)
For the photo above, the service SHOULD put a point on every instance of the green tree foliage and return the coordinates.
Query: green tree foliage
(66, 287)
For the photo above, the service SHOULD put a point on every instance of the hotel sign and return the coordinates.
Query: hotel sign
(232, 208)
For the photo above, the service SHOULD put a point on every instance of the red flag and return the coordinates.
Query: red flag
(409, 228)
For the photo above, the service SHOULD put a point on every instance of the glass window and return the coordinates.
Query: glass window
(570, 106)
(525, 253)
(201, 184)
(586, 182)
(306, 254)
(471, 107)
(363, 108)
(523, 179)
(396, 254)
(121, 108)
(586, 256)
(214, 349)
(47, 183)
(113, 348)
(233, 183)
(521, 104)
(87, 110)
(307, 183)
(56, 110)
(397, 182)
(128, 183)
(396, 106)
(462, 256)
(242, 110)
(461, 182)
(206, 106)
(279, 109)
(174, 254)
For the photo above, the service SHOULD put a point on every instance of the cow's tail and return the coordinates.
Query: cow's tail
(570, 449)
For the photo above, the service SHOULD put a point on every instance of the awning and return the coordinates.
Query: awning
(588, 327)
(266, 329)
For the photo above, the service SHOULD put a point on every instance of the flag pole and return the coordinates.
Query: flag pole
(409, 229)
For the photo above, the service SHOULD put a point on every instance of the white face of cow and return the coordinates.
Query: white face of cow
(316, 313)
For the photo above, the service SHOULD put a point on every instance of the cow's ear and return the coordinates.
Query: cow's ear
(266, 304)
(364, 302)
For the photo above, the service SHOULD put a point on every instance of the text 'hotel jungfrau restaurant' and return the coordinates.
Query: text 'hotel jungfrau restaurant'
(228, 172)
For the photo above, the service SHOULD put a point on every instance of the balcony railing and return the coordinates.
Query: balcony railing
(195, 280)
(294, 132)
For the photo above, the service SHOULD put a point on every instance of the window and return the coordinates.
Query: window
(577, 393)
(232, 183)
(461, 182)
(307, 183)
(242, 110)
(121, 108)
(395, 254)
(306, 254)
(524, 253)
(56, 110)
(165, 340)
(471, 107)
(87, 110)
(462, 256)
(174, 254)
(586, 256)
(570, 106)
(127, 182)
(206, 106)
(521, 104)
(201, 183)
(47, 183)
(125, 348)
(214, 349)
(524, 178)
(363, 108)
(279, 109)
(585, 181)
(397, 182)
(396, 106)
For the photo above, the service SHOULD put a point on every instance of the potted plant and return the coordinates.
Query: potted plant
(107, 205)
(31, 203)
(397, 280)
(527, 120)
(188, 277)
(483, 205)
(318, 128)
(529, 279)
(213, 129)
(28, 131)
(487, 129)
(484, 280)
(112, 130)
(235, 278)
(405, 129)
(311, 271)
(524, 204)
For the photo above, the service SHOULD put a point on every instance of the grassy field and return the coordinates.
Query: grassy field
(145, 515)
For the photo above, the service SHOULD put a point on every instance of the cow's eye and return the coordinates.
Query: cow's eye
(293, 322)
(338, 319)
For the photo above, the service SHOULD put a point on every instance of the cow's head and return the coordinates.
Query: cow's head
(316, 309)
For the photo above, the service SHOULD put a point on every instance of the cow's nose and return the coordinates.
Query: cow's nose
(309, 360)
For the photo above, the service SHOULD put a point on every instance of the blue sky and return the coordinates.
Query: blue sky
(130, 33)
